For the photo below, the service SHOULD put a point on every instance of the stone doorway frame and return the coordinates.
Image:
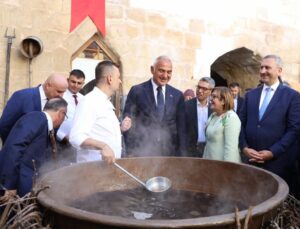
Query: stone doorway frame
(112, 56)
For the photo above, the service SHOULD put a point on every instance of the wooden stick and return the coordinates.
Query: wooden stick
(249, 213)
(237, 218)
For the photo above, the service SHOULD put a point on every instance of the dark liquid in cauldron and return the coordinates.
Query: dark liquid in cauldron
(141, 204)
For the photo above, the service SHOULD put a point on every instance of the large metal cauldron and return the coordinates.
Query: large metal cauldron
(249, 185)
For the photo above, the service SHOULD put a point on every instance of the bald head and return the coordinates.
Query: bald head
(55, 85)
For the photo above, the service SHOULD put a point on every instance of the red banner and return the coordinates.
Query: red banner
(95, 9)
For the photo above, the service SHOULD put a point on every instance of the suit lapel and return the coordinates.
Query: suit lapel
(256, 100)
(150, 97)
(195, 115)
(169, 100)
(239, 103)
(273, 102)
(37, 99)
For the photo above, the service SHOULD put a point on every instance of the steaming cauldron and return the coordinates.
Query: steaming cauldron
(249, 185)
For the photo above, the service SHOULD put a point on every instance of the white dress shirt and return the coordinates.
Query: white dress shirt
(95, 118)
(155, 86)
(49, 121)
(65, 127)
(202, 116)
(235, 103)
(43, 96)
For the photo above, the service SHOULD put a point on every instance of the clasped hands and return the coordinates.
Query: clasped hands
(258, 156)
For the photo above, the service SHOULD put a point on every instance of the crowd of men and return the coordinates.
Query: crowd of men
(156, 121)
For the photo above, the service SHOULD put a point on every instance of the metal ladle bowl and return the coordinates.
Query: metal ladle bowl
(158, 184)
(154, 184)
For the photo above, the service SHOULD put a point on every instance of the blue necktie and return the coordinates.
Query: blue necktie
(265, 103)
(160, 108)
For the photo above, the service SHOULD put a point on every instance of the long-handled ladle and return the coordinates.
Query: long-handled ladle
(154, 184)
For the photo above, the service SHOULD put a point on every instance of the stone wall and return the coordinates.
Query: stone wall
(139, 35)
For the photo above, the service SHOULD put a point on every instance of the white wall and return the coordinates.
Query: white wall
(87, 66)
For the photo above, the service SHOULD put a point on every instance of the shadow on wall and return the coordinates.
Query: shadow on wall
(219, 80)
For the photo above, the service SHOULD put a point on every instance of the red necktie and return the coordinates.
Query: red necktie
(75, 99)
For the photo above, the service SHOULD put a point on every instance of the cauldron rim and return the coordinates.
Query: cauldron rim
(223, 219)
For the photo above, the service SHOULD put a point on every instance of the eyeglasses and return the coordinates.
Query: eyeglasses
(202, 88)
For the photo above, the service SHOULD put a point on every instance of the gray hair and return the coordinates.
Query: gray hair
(55, 104)
(159, 58)
(208, 80)
(277, 59)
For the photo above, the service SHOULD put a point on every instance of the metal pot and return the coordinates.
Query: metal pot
(246, 184)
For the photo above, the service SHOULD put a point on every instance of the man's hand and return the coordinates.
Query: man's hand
(266, 155)
(126, 124)
(253, 155)
(8, 194)
(107, 154)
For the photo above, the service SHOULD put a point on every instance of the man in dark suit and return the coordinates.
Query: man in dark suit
(28, 141)
(270, 123)
(238, 100)
(157, 114)
(197, 111)
(30, 99)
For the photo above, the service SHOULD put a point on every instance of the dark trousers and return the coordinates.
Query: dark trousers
(1, 194)
(200, 149)
(196, 150)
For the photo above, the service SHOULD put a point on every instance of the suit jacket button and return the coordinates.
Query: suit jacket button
(258, 126)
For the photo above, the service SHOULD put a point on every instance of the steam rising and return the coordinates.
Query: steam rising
(242, 185)
(151, 140)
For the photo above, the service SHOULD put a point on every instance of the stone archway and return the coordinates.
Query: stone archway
(240, 65)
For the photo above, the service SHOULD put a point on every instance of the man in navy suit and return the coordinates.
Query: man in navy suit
(155, 113)
(197, 111)
(270, 123)
(28, 141)
(30, 99)
(238, 100)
